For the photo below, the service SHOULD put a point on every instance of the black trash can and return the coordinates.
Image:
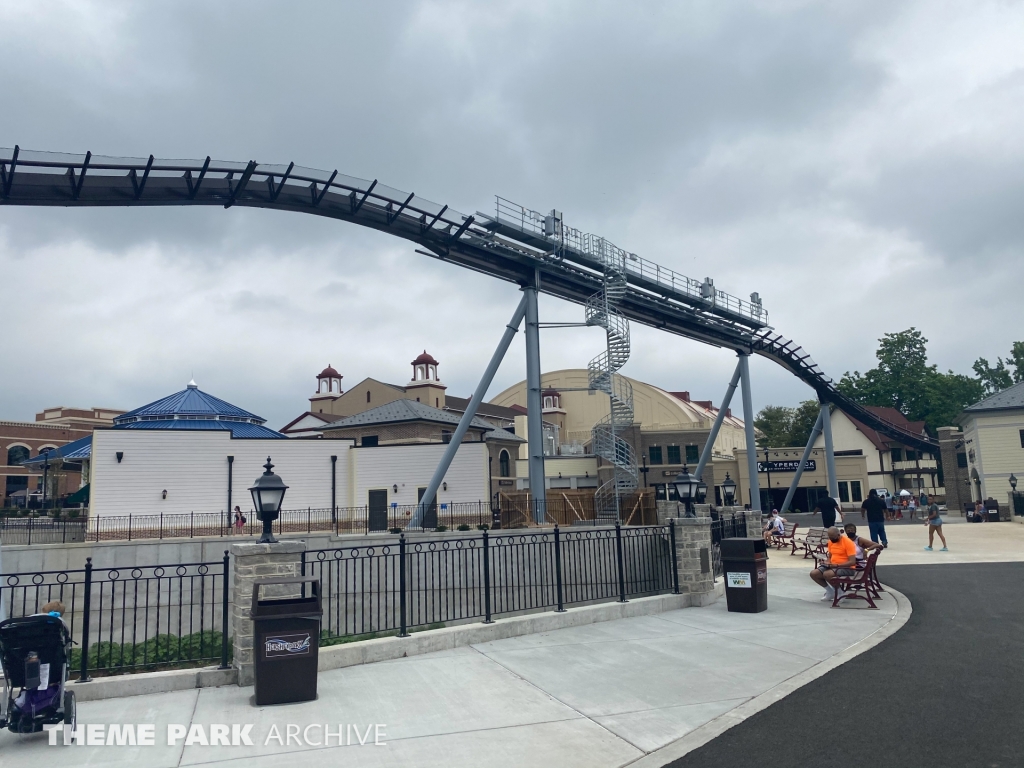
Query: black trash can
(286, 640)
(745, 567)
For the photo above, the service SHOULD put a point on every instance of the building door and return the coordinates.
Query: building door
(377, 516)
(429, 514)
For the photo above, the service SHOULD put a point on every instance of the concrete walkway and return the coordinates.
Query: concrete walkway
(604, 694)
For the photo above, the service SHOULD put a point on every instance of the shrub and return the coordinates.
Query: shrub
(159, 651)
(463, 527)
(394, 530)
(441, 529)
(483, 527)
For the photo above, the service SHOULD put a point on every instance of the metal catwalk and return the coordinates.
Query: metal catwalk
(510, 244)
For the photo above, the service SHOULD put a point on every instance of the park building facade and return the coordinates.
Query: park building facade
(669, 431)
(53, 428)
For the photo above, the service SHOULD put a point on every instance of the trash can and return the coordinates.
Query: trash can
(286, 639)
(745, 565)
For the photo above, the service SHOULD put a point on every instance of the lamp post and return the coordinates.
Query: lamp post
(686, 488)
(267, 495)
(46, 472)
(1013, 482)
(645, 469)
(729, 490)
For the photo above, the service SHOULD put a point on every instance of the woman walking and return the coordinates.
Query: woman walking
(239, 520)
(935, 526)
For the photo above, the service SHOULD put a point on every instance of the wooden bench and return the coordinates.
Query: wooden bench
(860, 586)
(785, 539)
(815, 541)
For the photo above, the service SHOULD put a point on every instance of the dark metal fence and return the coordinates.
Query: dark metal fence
(417, 583)
(132, 619)
(725, 527)
(513, 513)
(42, 530)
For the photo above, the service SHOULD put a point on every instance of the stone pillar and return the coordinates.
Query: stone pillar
(251, 563)
(954, 477)
(753, 523)
(694, 557)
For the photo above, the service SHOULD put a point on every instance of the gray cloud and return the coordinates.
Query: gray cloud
(822, 154)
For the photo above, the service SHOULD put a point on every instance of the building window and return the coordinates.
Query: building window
(504, 468)
(16, 454)
(446, 436)
(673, 454)
(369, 441)
(655, 454)
(1022, 438)
(692, 454)
(961, 458)
(844, 491)
(548, 402)
(897, 454)
(855, 491)
(367, 395)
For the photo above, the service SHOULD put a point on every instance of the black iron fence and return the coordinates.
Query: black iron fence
(511, 512)
(417, 583)
(726, 526)
(132, 619)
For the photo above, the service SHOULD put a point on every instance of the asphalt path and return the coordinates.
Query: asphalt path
(945, 690)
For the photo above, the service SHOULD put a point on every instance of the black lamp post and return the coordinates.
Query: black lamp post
(729, 490)
(46, 473)
(702, 492)
(1013, 482)
(686, 488)
(267, 495)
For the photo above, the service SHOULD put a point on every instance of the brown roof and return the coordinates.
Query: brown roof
(425, 358)
(484, 409)
(329, 373)
(881, 442)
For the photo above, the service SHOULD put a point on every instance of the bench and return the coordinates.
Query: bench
(815, 541)
(860, 586)
(785, 539)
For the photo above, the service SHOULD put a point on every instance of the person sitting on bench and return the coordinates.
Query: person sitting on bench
(775, 525)
(842, 561)
(862, 545)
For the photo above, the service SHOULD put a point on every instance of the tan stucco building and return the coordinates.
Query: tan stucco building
(669, 430)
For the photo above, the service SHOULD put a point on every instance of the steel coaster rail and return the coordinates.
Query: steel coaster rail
(510, 245)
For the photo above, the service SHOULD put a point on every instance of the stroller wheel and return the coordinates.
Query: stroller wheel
(70, 713)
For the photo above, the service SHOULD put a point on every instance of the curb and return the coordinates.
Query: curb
(698, 737)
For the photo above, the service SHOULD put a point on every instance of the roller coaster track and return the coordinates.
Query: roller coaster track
(500, 245)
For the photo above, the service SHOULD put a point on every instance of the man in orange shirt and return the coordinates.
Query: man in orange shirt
(842, 561)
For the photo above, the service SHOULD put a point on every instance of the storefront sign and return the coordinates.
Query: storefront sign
(785, 466)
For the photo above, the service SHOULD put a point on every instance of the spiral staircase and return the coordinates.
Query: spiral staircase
(608, 442)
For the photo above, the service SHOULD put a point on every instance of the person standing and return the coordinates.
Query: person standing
(875, 510)
(935, 526)
(888, 506)
(239, 520)
(827, 506)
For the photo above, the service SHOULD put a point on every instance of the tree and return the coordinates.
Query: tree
(774, 423)
(904, 380)
(782, 427)
(993, 379)
(1016, 359)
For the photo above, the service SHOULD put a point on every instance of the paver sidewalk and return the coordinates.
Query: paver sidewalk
(597, 695)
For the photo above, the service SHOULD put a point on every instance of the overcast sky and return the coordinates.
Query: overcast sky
(861, 165)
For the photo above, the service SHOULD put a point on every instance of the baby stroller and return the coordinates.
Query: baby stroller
(34, 652)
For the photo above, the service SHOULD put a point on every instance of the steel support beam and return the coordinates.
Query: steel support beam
(534, 422)
(471, 409)
(705, 455)
(830, 454)
(800, 469)
(748, 425)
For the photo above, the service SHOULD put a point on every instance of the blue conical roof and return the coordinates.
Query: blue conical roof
(194, 409)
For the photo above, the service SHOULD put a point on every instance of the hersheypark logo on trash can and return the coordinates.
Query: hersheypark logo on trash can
(287, 645)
